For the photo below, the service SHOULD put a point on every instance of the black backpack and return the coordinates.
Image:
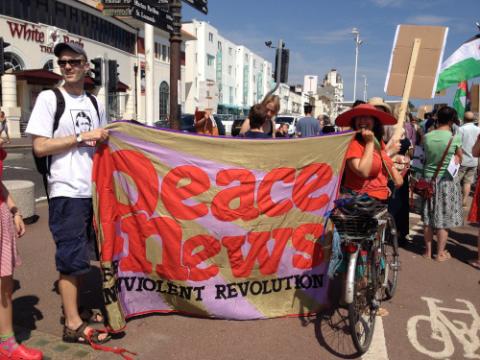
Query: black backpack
(43, 163)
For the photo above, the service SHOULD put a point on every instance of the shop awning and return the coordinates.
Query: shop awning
(38, 76)
(122, 87)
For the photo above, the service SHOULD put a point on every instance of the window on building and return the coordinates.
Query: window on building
(230, 91)
(164, 100)
(61, 14)
(229, 69)
(219, 46)
(13, 61)
(230, 50)
(246, 57)
(254, 63)
(168, 53)
(210, 37)
(210, 60)
(164, 52)
(49, 65)
(196, 58)
(114, 105)
(157, 51)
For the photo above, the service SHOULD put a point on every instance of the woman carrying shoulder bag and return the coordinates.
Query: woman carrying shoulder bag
(444, 209)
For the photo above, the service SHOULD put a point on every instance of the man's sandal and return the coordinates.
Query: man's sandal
(92, 338)
(79, 335)
(92, 316)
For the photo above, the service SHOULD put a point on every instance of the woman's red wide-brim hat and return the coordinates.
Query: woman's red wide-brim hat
(345, 119)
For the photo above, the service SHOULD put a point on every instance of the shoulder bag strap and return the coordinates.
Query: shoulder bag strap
(440, 164)
(379, 148)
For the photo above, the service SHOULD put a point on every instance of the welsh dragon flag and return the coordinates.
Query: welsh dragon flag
(463, 64)
(460, 99)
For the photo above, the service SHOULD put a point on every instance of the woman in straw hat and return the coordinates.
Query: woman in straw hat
(368, 166)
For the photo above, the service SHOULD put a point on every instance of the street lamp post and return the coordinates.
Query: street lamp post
(365, 86)
(358, 42)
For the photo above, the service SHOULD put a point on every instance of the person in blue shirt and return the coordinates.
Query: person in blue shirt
(257, 117)
(308, 125)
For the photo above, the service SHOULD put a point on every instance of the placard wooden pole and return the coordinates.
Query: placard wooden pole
(406, 91)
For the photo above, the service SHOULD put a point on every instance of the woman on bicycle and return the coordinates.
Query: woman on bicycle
(368, 167)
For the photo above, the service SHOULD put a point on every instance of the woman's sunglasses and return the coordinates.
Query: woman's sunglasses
(71, 62)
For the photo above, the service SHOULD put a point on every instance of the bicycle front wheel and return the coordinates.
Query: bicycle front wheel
(392, 258)
(362, 312)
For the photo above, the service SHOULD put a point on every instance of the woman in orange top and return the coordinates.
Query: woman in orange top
(367, 165)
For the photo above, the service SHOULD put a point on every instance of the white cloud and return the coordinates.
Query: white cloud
(428, 20)
(388, 3)
(330, 37)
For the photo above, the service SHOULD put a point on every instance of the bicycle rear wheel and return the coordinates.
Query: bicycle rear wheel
(392, 258)
(362, 310)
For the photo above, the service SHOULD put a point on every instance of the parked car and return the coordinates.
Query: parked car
(237, 125)
(186, 123)
(227, 122)
(291, 120)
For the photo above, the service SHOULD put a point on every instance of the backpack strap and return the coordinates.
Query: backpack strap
(93, 99)
(59, 110)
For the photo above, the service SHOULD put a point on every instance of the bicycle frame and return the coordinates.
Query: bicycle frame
(350, 280)
(378, 241)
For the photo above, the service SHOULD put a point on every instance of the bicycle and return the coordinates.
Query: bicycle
(369, 244)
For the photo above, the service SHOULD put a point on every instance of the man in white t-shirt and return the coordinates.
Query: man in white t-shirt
(468, 169)
(71, 148)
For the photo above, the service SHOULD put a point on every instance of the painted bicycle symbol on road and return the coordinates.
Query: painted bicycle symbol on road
(441, 329)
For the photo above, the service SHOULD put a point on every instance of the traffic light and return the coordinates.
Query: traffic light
(3, 45)
(97, 71)
(112, 75)
(283, 65)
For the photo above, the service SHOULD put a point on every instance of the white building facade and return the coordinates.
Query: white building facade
(33, 28)
(241, 77)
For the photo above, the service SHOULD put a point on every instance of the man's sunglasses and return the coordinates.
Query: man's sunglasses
(71, 62)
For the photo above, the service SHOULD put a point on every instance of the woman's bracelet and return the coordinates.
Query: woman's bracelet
(15, 211)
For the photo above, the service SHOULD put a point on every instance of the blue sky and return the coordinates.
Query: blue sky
(318, 32)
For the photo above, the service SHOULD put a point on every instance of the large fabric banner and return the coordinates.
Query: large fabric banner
(214, 227)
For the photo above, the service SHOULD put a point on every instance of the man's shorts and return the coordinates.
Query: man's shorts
(70, 222)
(467, 173)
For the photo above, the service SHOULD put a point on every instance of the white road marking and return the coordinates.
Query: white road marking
(441, 328)
(378, 347)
